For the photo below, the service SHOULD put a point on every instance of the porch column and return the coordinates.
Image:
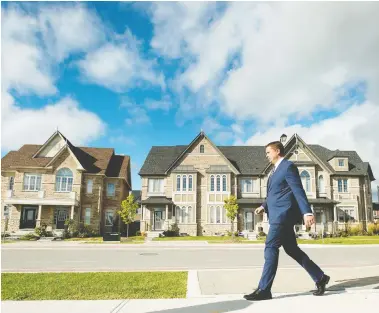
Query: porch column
(38, 221)
(72, 212)
(335, 214)
(166, 219)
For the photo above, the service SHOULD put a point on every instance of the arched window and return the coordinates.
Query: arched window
(64, 179)
(201, 148)
(224, 215)
(218, 215)
(223, 182)
(177, 214)
(183, 216)
(212, 183)
(189, 214)
(321, 185)
(212, 215)
(218, 183)
(306, 180)
(184, 182)
(178, 183)
(190, 183)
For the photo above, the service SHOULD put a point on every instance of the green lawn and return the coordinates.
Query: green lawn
(200, 238)
(352, 240)
(93, 286)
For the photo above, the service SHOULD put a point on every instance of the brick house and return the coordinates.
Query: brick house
(187, 184)
(56, 181)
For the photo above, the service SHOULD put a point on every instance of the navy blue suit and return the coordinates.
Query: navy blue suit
(285, 205)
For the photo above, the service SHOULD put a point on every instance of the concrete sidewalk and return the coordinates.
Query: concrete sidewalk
(347, 302)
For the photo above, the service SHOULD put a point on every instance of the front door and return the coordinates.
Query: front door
(61, 215)
(29, 217)
(158, 220)
(249, 221)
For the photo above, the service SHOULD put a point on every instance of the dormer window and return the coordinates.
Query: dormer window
(201, 148)
(341, 162)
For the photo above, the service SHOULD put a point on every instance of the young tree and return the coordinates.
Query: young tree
(231, 207)
(128, 211)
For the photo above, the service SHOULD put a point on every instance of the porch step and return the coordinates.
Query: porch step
(252, 236)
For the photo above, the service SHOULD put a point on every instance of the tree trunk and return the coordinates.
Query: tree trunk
(127, 230)
(232, 229)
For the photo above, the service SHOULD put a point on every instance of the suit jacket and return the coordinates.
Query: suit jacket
(286, 201)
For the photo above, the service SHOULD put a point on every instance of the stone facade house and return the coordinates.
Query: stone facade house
(56, 181)
(187, 184)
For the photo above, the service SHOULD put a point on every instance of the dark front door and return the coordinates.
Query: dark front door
(61, 215)
(158, 220)
(29, 217)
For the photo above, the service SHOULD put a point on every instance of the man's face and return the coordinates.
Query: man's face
(272, 154)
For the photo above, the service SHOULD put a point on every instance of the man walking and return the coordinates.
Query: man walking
(286, 201)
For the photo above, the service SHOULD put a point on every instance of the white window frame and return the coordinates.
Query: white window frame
(310, 181)
(342, 180)
(60, 179)
(178, 183)
(37, 182)
(341, 161)
(89, 186)
(151, 185)
(213, 210)
(202, 149)
(87, 216)
(321, 188)
(110, 194)
(184, 182)
(190, 182)
(212, 186)
(244, 183)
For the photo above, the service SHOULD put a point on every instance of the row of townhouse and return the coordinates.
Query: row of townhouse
(56, 181)
(185, 184)
(188, 184)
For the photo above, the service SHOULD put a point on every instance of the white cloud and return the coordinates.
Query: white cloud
(290, 60)
(355, 129)
(137, 115)
(123, 140)
(35, 126)
(118, 65)
(164, 104)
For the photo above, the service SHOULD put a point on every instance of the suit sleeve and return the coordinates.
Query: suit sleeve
(264, 205)
(294, 181)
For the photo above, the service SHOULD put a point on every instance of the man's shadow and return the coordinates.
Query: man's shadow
(219, 307)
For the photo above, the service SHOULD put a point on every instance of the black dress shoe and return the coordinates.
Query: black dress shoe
(321, 285)
(259, 295)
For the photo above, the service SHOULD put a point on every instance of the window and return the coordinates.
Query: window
(178, 183)
(64, 179)
(218, 215)
(156, 185)
(342, 185)
(321, 185)
(189, 213)
(247, 185)
(87, 217)
(306, 180)
(184, 183)
(201, 148)
(11, 183)
(109, 215)
(89, 185)
(32, 182)
(111, 190)
(218, 182)
(190, 183)
(6, 212)
(346, 215)
(212, 183)
(224, 215)
(223, 182)
(212, 215)
(341, 162)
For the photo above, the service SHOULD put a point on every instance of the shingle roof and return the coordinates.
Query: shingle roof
(94, 160)
(249, 160)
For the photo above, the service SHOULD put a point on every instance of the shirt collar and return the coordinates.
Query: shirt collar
(277, 163)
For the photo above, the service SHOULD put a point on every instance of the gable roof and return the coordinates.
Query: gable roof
(201, 135)
(94, 160)
(248, 160)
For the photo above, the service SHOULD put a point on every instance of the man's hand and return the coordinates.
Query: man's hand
(309, 220)
(259, 210)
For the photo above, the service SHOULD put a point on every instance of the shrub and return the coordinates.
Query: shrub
(262, 234)
(30, 236)
(373, 229)
(355, 230)
(173, 232)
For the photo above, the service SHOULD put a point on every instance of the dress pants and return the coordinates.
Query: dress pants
(284, 235)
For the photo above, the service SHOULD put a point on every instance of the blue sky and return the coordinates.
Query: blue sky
(134, 75)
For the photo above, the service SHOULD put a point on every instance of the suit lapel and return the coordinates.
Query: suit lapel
(271, 176)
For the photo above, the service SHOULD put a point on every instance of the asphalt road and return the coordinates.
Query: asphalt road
(82, 257)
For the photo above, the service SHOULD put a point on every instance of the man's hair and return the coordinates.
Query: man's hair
(277, 145)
